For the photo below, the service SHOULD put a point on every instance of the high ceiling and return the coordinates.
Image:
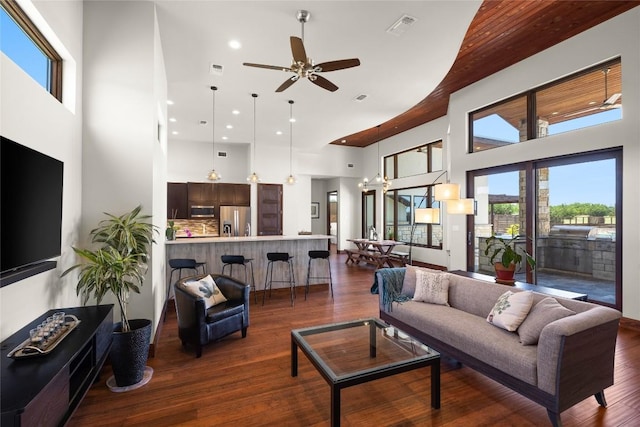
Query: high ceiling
(406, 78)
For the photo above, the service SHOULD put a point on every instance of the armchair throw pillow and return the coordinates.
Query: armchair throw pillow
(207, 289)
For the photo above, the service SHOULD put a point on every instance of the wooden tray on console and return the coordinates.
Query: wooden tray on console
(25, 349)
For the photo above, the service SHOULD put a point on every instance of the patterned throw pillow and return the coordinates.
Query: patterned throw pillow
(510, 310)
(207, 289)
(409, 282)
(432, 287)
(546, 311)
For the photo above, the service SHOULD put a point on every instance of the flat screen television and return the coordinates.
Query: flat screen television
(30, 207)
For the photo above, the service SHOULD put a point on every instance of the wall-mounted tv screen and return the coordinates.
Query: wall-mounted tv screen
(30, 206)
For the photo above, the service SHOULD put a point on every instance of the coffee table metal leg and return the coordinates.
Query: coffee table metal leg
(435, 384)
(335, 406)
(294, 358)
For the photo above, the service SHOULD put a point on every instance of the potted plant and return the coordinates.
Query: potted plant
(118, 267)
(506, 256)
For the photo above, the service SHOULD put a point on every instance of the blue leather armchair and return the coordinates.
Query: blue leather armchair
(198, 326)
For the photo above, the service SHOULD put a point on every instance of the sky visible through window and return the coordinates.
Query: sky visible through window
(592, 182)
(22, 50)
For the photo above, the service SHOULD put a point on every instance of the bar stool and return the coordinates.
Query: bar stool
(279, 257)
(318, 255)
(231, 260)
(179, 264)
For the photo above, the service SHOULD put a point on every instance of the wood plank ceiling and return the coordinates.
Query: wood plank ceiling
(502, 33)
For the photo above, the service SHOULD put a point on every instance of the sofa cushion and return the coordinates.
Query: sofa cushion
(510, 310)
(432, 287)
(472, 335)
(543, 313)
(207, 289)
(409, 282)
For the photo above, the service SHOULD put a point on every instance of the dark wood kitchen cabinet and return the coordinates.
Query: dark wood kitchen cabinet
(177, 200)
(235, 194)
(202, 194)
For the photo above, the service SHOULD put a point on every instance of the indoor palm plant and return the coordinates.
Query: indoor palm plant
(118, 266)
(505, 256)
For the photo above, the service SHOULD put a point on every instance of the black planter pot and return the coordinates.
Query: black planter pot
(129, 352)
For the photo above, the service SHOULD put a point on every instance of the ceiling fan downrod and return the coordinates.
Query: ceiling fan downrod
(303, 16)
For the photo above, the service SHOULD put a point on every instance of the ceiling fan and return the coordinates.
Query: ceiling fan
(608, 103)
(303, 67)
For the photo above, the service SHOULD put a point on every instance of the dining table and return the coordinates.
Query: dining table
(375, 252)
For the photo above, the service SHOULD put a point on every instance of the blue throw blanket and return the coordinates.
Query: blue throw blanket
(392, 279)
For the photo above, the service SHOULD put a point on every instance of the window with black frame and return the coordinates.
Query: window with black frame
(399, 215)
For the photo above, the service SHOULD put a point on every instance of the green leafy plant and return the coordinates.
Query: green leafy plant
(506, 251)
(120, 263)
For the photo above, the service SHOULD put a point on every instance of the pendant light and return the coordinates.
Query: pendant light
(291, 179)
(213, 175)
(385, 183)
(253, 178)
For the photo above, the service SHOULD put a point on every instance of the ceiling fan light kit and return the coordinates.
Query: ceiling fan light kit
(303, 67)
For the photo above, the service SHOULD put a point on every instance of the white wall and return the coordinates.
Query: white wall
(30, 116)
(124, 100)
(190, 161)
(617, 37)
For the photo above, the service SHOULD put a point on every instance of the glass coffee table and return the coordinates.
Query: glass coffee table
(358, 351)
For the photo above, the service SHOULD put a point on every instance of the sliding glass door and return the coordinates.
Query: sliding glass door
(566, 212)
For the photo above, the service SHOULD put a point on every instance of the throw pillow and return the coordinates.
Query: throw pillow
(543, 313)
(510, 310)
(409, 282)
(432, 287)
(207, 289)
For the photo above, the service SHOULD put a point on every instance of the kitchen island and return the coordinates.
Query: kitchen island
(210, 249)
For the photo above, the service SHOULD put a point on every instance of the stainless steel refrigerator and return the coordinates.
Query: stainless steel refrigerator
(235, 221)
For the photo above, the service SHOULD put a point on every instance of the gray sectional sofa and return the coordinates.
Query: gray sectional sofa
(572, 360)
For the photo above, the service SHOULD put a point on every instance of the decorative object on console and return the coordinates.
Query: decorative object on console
(213, 175)
(254, 178)
(505, 257)
(119, 266)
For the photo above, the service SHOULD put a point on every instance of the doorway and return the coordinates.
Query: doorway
(332, 219)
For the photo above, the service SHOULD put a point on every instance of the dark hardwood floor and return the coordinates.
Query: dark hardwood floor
(247, 382)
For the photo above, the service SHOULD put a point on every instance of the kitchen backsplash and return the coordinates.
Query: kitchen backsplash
(196, 227)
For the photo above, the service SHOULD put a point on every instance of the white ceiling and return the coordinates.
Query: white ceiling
(396, 72)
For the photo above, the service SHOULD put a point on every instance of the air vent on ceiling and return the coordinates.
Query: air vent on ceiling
(349, 165)
(203, 122)
(401, 25)
(215, 69)
(360, 97)
(222, 154)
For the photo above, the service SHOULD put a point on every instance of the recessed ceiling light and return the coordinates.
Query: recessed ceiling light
(235, 112)
(235, 44)
(592, 103)
(172, 119)
(229, 126)
(175, 132)
(344, 141)
(292, 119)
(278, 132)
(225, 138)
(169, 102)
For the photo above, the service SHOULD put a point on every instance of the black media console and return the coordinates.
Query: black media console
(45, 390)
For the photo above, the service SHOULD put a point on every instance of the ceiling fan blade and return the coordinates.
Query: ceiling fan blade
(268, 67)
(297, 50)
(576, 113)
(612, 99)
(337, 65)
(287, 83)
(324, 83)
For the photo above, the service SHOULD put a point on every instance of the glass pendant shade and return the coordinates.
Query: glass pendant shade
(213, 175)
(253, 178)
(447, 192)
